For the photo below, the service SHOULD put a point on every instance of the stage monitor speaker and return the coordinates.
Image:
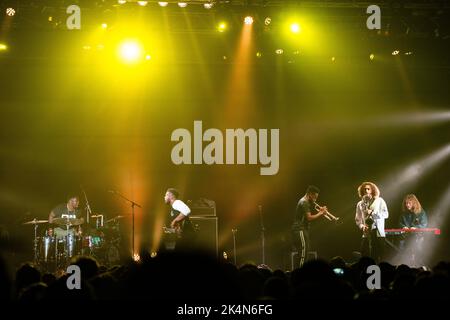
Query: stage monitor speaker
(207, 234)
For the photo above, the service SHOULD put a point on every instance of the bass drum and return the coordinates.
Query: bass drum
(111, 255)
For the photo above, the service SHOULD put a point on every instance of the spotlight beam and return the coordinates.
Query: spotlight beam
(412, 173)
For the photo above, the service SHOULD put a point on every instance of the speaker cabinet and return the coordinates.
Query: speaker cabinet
(207, 234)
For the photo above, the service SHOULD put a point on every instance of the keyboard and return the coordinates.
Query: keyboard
(395, 232)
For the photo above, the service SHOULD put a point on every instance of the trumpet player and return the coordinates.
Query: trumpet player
(304, 214)
(371, 211)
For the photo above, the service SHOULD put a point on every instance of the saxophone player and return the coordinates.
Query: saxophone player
(371, 211)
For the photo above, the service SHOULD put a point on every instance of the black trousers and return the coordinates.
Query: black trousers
(300, 241)
(373, 246)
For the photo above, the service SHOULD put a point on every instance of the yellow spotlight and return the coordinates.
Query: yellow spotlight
(395, 52)
(372, 56)
(295, 28)
(248, 20)
(10, 12)
(408, 53)
(153, 254)
(163, 3)
(136, 257)
(148, 57)
(208, 5)
(50, 19)
(182, 4)
(3, 47)
(258, 54)
(130, 51)
(267, 21)
(222, 27)
(142, 3)
(333, 59)
(121, 1)
(104, 25)
(279, 51)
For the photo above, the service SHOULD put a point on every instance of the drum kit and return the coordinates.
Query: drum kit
(64, 238)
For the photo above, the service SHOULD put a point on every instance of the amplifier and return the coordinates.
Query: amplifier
(207, 234)
(202, 212)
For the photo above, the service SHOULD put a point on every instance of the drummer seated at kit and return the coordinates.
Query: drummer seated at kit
(69, 211)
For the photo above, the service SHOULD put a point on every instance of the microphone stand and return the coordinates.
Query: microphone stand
(88, 207)
(133, 204)
(263, 240)
(234, 245)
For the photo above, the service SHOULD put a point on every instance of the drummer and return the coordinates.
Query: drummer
(67, 210)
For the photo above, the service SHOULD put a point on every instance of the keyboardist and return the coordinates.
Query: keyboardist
(413, 217)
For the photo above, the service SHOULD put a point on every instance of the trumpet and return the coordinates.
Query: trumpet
(327, 215)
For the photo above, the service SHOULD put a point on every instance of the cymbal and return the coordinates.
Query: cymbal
(115, 218)
(36, 221)
(67, 221)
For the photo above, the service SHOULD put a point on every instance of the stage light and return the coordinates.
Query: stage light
(222, 26)
(142, 3)
(372, 56)
(395, 52)
(148, 57)
(104, 25)
(267, 21)
(258, 54)
(208, 5)
(333, 59)
(50, 19)
(163, 3)
(153, 254)
(130, 51)
(136, 257)
(279, 51)
(86, 47)
(248, 20)
(10, 12)
(295, 28)
(182, 4)
(121, 1)
(3, 47)
(408, 53)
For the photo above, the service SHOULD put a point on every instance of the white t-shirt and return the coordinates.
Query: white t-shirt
(181, 207)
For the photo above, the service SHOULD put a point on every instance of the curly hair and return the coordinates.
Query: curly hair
(416, 207)
(373, 186)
